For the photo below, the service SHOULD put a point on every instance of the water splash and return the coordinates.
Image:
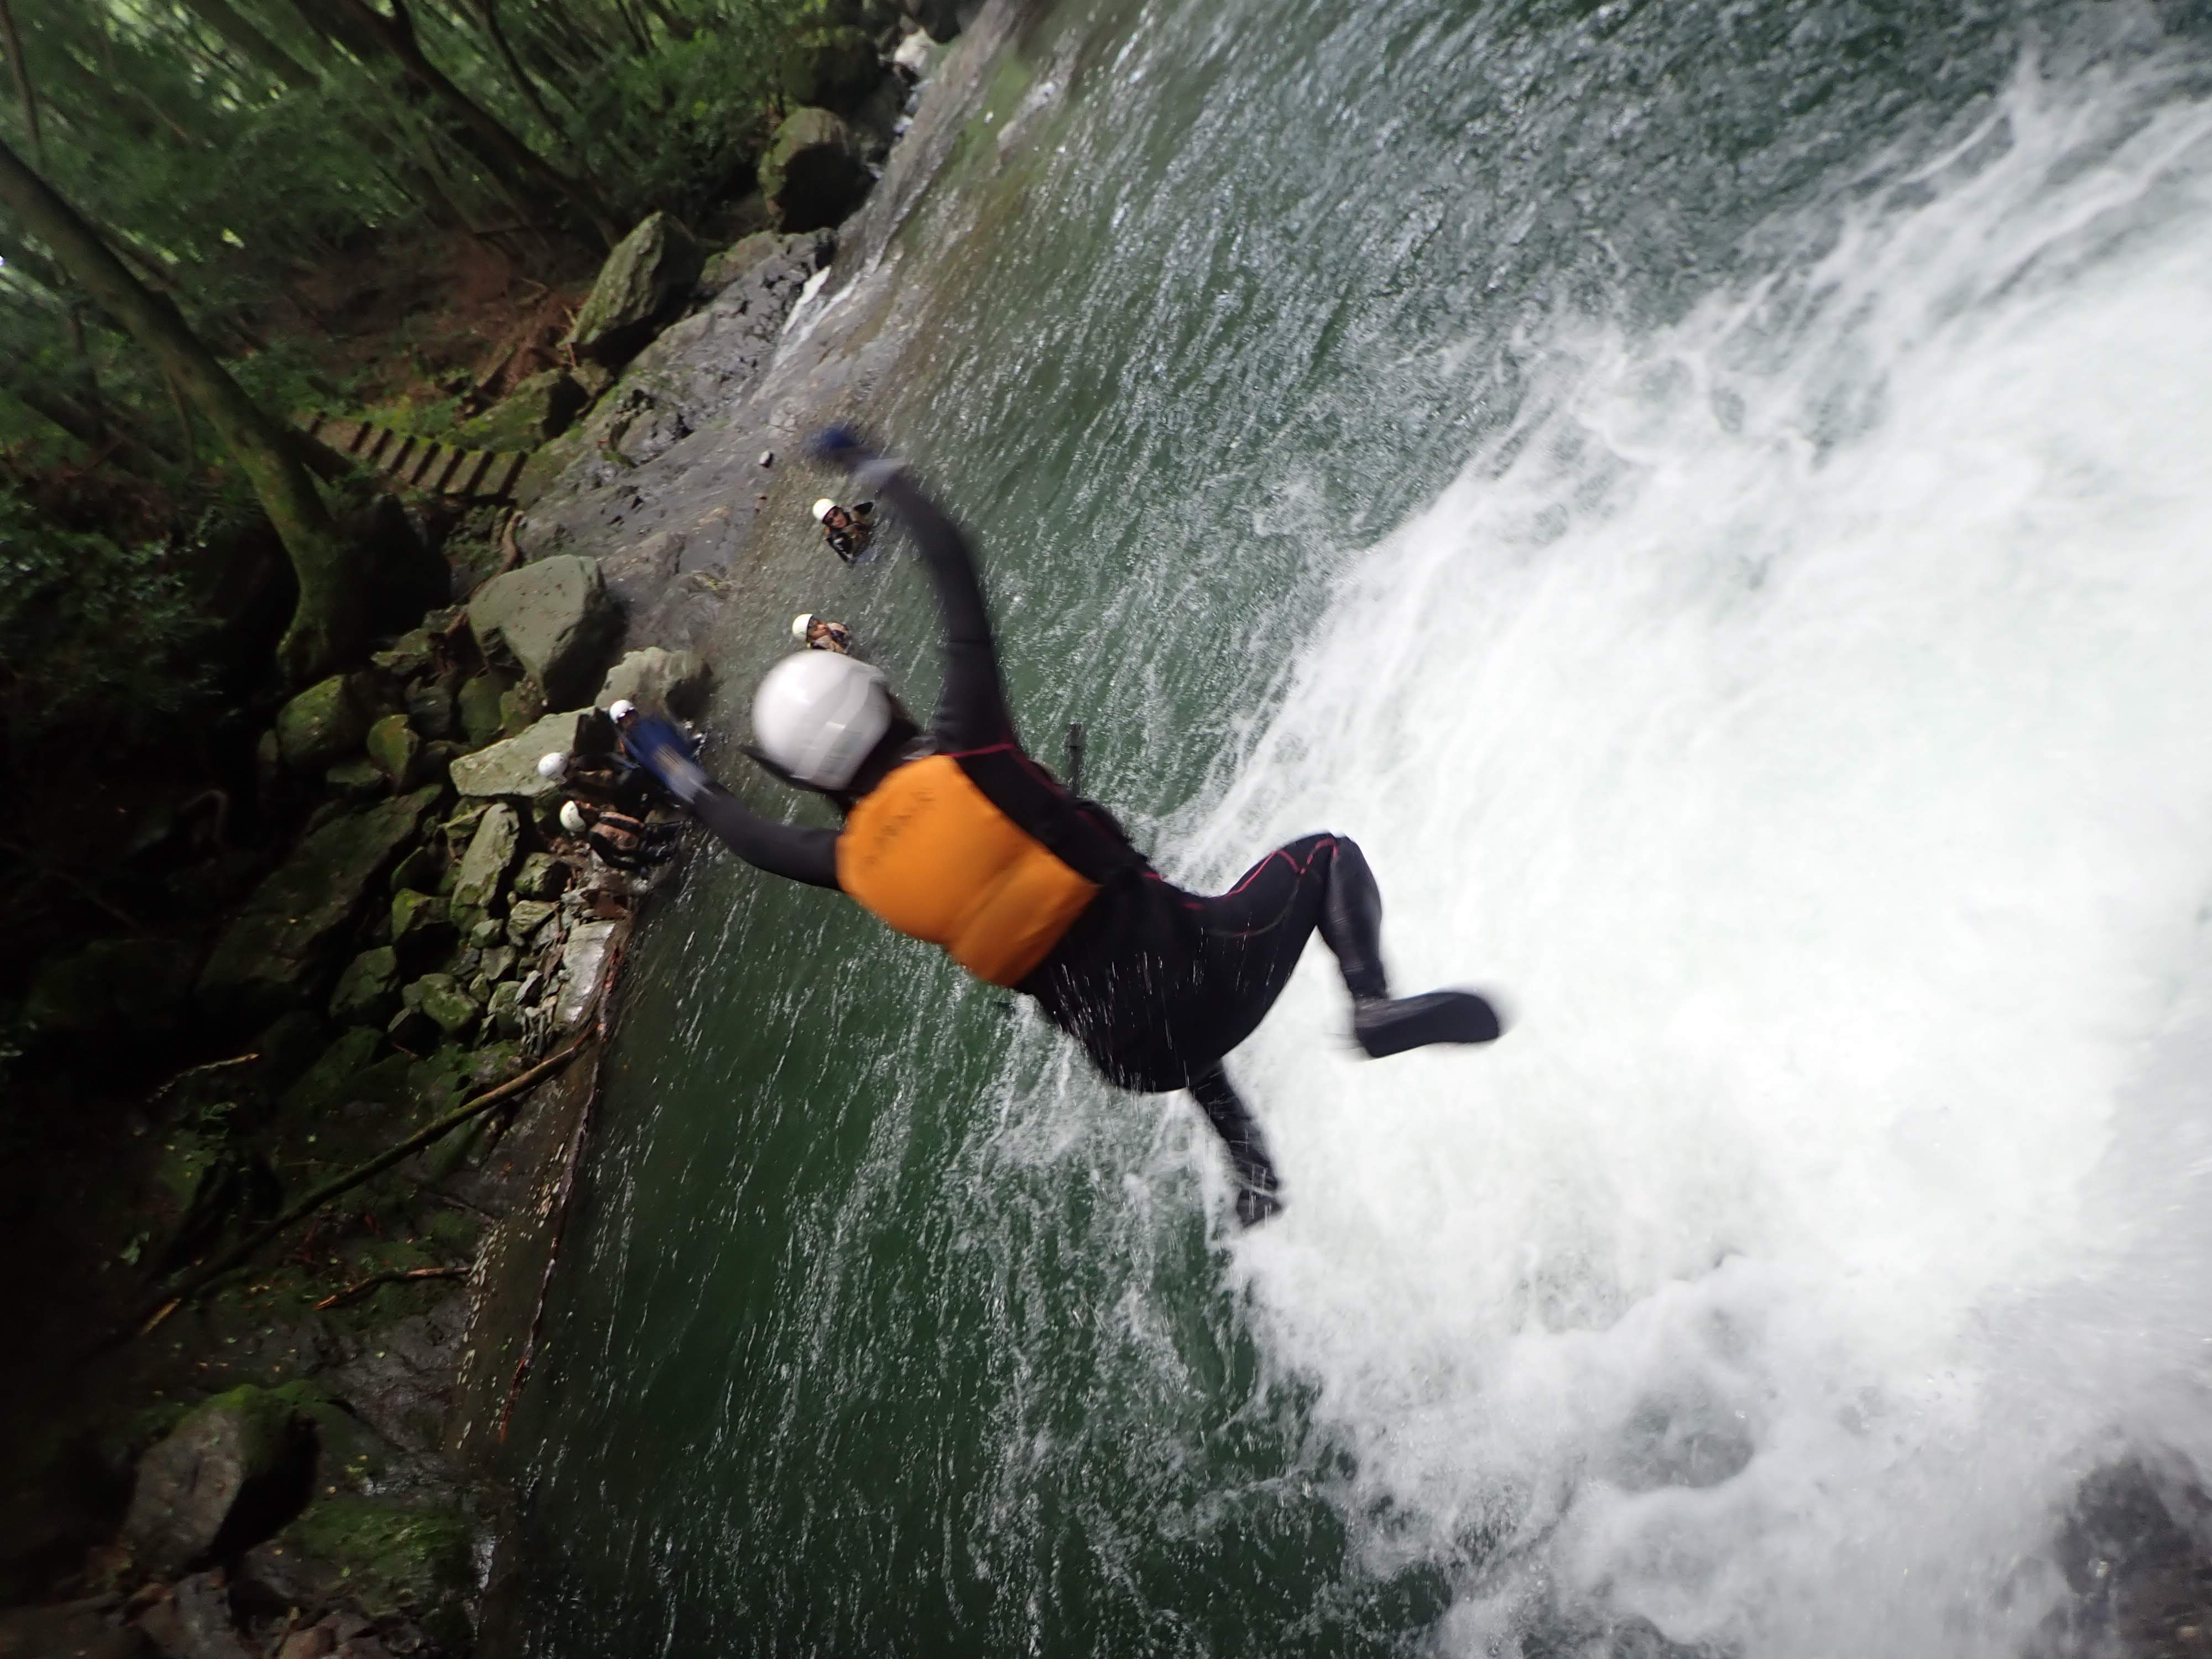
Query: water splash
(1801, 711)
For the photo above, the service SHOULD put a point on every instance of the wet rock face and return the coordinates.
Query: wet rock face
(322, 726)
(267, 962)
(555, 618)
(812, 174)
(230, 1474)
(650, 270)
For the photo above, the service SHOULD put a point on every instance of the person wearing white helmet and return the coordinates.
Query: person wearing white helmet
(617, 838)
(820, 634)
(953, 835)
(847, 530)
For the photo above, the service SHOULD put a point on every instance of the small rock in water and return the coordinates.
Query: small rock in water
(768, 457)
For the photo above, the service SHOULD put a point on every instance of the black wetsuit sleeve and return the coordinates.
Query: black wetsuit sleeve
(790, 850)
(971, 710)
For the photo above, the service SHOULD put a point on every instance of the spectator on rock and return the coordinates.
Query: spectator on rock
(847, 532)
(820, 634)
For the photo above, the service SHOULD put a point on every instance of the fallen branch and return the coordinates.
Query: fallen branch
(353, 1292)
(161, 1305)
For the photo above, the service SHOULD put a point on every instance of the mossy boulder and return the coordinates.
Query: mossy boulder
(537, 408)
(477, 705)
(379, 1558)
(368, 990)
(811, 174)
(541, 876)
(439, 998)
(649, 272)
(484, 867)
(229, 1474)
(833, 66)
(421, 923)
(324, 1083)
(322, 726)
(555, 618)
(355, 779)
(269, 960)
(526, 917)
(657, 678)
(396, 748)
(125, 987)
(739, 260)
(508, 770)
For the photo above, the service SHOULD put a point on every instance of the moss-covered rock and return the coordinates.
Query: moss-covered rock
(441, 1000)
(276, 950)
(832, 65)
(357, 779)
(421, 870)
(227, 1475)
(541, 876)
(396, 748)
(368, 990)
(811, 174)
(421, 923)
(477, 705)
(657, 678)
(525, 917)
(484, 867)
(648, 272)
(376, 1557)
(537, 408)
(322, 726)
(555, 618)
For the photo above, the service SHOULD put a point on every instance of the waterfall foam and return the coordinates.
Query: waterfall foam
(1803, 714)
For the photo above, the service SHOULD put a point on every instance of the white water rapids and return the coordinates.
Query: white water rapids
(1803, 718)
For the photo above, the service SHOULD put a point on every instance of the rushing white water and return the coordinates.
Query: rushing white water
(1804, 718)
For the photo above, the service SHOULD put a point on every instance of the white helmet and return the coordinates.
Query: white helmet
(824, 509)
(817, 714)
(800, 624)
(572, 817)
(621, 709)
(554, 765)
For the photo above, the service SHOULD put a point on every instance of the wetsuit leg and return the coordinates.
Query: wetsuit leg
(1258, 1187)
(1257, 930)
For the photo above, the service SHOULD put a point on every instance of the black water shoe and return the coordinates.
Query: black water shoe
(1390, 1026)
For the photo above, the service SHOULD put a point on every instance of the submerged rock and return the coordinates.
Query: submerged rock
(555, 618)
(232, 1472)
(811, 174)
(648, 271)
(268, 960)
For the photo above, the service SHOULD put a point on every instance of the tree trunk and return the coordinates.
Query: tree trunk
(329, 623)
(487, 128)
(24, 88)
(253, 44)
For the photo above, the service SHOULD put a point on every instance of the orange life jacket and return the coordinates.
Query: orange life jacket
(930, 853)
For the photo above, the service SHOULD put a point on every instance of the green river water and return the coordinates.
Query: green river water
(1638, 467)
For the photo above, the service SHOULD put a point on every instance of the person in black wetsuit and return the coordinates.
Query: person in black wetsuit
(953, 835)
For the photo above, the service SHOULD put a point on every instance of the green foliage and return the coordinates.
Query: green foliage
(94, 631)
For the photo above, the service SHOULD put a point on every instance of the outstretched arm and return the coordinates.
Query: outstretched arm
(971, 710)
(781, 850)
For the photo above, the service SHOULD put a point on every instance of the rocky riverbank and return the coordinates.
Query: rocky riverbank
(230, 1443)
